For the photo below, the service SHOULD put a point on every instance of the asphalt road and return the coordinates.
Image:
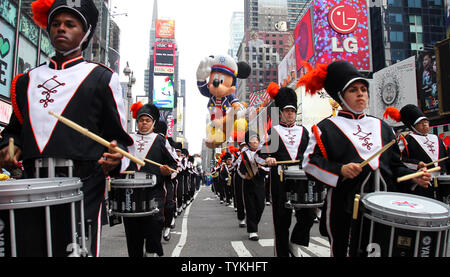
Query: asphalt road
(210, 229)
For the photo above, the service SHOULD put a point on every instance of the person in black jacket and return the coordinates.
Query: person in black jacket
(419, 148)
(338, 145)
(147, 230)
(292, 141)
(85, 92)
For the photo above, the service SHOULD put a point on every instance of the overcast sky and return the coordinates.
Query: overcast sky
(202, 28)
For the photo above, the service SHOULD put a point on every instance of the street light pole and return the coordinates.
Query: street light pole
(131, 81)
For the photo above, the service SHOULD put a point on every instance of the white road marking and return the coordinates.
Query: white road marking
(266, 242)
(177, 250)
(240, 249)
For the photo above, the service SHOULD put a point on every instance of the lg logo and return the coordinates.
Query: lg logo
(344, 20)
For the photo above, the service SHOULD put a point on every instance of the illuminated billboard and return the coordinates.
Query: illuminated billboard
(164, 57)
(304, 44)
(163, 92)
(165, 29)
(341, 32)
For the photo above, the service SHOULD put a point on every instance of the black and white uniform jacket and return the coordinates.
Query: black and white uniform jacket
(85, 92)
(417, 148)
(349, 138)
(251, 163)
(284, 143)
(153, 147)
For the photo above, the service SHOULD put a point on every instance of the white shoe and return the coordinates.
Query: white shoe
(166, 234)
(267, 203)
(172, 224)
(295, 250)
(150, 255)
(242, 223)
(253, 236)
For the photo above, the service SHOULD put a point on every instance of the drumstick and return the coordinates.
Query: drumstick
(438, 161)
(382, 150)
(155, 163)
(356, 206)
(98, 139)
(11, 149)
(284, 162)
(417, 174)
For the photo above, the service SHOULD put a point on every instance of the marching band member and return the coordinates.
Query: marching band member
(419, 147)
(169, 183)
(84, 92)
(225, 178)
(237, 185)
(253, 185)
(292, 141)
(339, 144)
(148, 145)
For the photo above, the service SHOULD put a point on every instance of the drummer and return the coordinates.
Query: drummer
(339, 144)
(147, 230)
(418, 147)
(253, 184)
(84, 92)
(292, 142)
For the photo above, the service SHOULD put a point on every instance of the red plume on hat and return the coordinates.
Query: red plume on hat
(393, 113)
(40, 10)
(135, 108)
(273, 89)
(314, 80)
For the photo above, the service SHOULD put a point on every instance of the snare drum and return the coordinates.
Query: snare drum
(300, 191)
(444, 188)
(39, 217)
(133, 197)
(403, 225)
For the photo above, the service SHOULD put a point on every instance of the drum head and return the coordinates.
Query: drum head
(407, 209)
(444, 179)
(294, 172)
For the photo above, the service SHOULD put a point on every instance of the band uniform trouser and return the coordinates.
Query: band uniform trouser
(238, 196)
(254, 201)
(180, 191)
(282, 218)
(146, 232)
(169, 203)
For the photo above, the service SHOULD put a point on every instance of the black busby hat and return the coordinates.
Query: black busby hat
(335, 78)
(160, 127)
(284, 97)
(178, 146)
(226, 156)
(138, 110)
(250, 134)
(410, 115)
(185, 152)
(85, 10)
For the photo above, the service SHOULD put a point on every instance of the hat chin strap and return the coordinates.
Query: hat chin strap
(348, 106)
(65, 54)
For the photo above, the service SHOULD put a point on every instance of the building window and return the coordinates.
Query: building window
(395, 3)
(414, 3)
(396, 36)
(395, 18)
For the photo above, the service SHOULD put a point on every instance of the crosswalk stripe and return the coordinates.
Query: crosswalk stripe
(240, 249)
(318, 247)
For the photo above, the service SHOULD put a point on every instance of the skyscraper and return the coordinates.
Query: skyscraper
(237, 32)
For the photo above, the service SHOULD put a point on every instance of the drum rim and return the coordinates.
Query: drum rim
(23, 187)
(132, 182)
(41, 203)
(444, 177)
(142, 214)
(388, 212)
(406, 226)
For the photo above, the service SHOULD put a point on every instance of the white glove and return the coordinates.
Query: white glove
(204, 69)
